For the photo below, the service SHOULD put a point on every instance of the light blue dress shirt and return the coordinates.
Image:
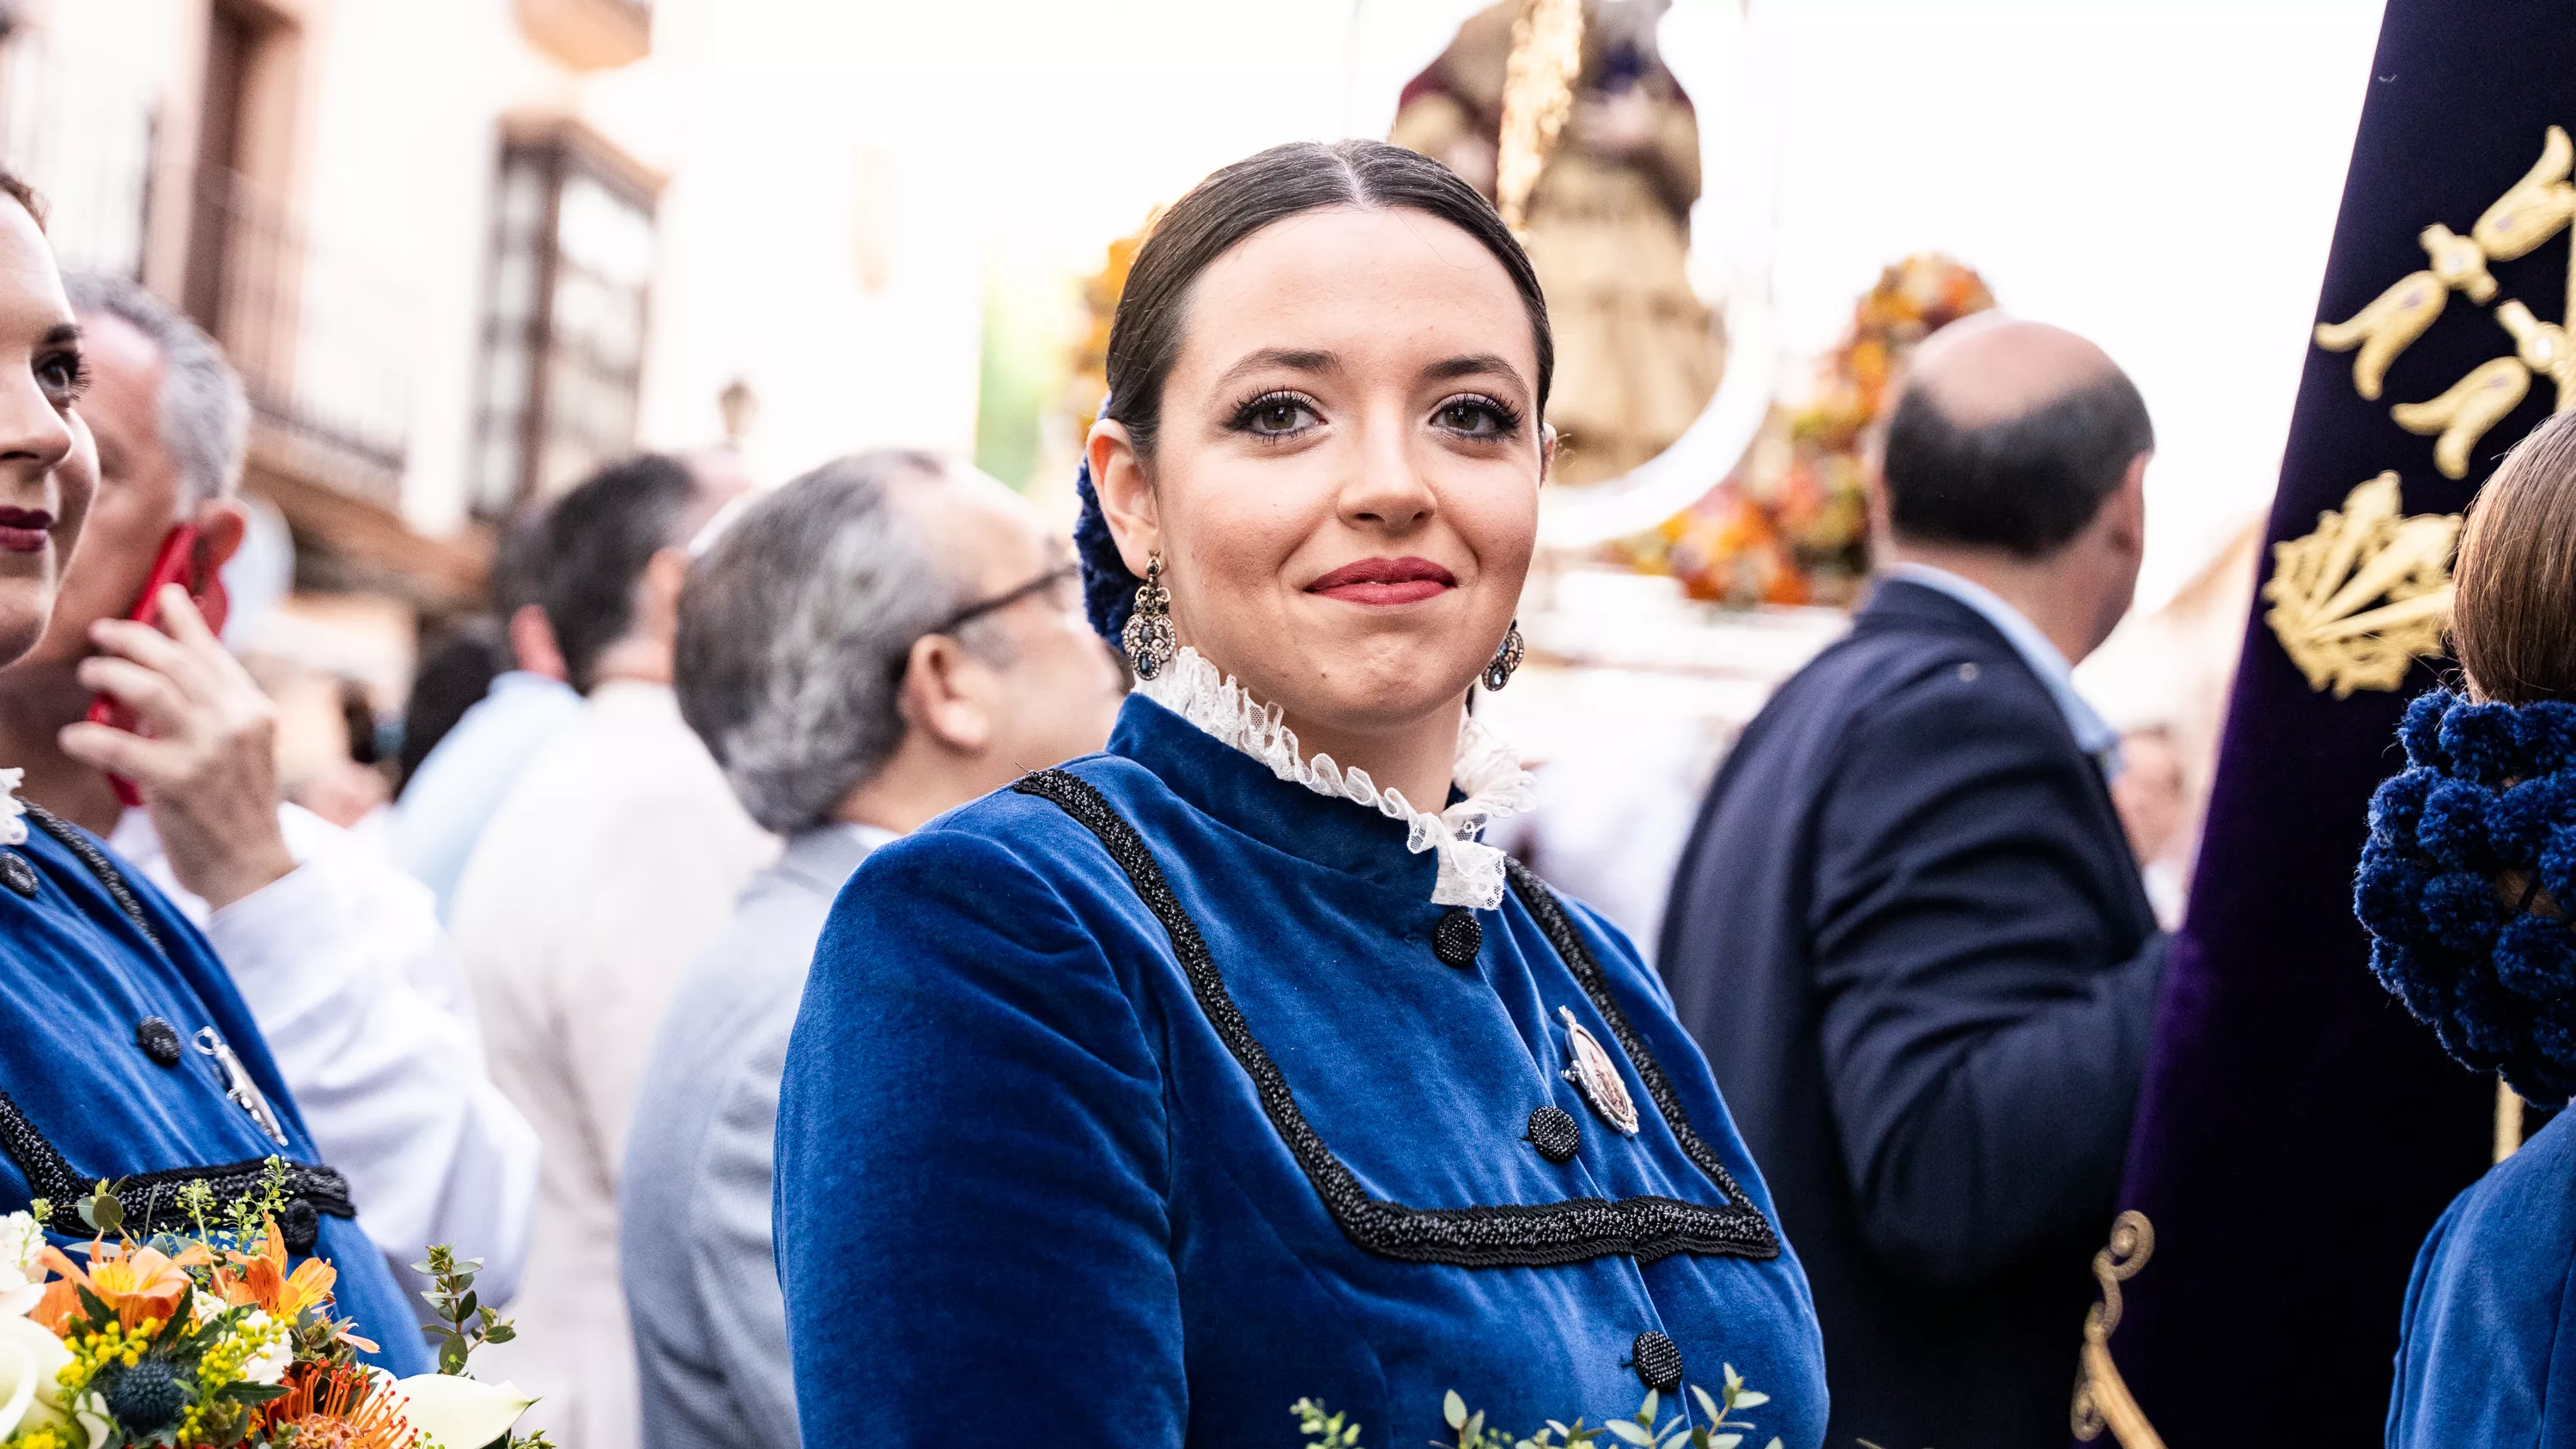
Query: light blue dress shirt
(2093, 734)
(694, 1200)
(451, 797)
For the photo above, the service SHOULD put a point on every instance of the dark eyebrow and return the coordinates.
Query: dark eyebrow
(1475, 364)
(63, 334)
(1291, 358)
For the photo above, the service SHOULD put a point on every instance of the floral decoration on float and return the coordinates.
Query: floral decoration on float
(1791, 524)
(207, 1337)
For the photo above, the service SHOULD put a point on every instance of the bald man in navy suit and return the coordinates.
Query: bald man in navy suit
(1908, 930)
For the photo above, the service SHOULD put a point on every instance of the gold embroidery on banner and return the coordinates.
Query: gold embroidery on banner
(2358, 601)
(2102, 1397)
(2542, 346)
(2462, 415)
(2537, 206)
(2401, 314)
(2535, 209)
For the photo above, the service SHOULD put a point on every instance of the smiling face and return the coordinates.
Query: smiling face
(48, 467)
(1344, 482)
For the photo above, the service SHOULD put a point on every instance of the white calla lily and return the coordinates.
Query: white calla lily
(460, 1413)
(30, 1396)
(22, 1267)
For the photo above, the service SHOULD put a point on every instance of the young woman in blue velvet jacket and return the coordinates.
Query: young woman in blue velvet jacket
(2466, 887)
(1227, 1068)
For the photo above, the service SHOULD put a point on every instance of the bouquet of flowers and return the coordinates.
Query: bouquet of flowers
(206, 1338)
(1649, 1429)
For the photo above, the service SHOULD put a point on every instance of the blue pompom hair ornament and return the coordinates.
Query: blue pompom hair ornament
(2467, 880)
(1108, 586)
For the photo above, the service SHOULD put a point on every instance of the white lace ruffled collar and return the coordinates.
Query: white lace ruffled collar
(1488, 773)
(13, 811)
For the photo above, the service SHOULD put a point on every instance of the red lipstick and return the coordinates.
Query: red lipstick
(25, 530)
(1385, 581)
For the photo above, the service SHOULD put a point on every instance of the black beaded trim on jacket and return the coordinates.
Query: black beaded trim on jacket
(1515, 1235)
(113, 880)
(1560, 931)
(151, 1199)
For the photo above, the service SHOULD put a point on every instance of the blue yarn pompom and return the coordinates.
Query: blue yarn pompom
(2420, 731)
(2398, 804)
(1108, 588)
(2490, 789)
(2482, 740)
(2519, 821)
(2547, 734)
(2453, 828)
(2535, 958)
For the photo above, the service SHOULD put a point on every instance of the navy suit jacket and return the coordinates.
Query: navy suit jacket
(1910, 937)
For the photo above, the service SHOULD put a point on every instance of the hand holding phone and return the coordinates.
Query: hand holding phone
(204, 756)
(180, 561)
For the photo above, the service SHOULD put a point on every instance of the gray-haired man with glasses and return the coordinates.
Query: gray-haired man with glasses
(878, 642)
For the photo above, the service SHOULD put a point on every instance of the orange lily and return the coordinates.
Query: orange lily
(282, 1295)
(135, 1284)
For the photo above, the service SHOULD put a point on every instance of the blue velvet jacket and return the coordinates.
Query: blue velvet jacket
(1134, 1103)
(2488, 1348)
(89, 951)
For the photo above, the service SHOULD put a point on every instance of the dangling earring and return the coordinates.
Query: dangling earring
(1148, 637)
(1507, 658)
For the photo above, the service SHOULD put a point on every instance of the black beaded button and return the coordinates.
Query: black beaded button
(17, 874)
(1458, 936)
(1657, 1361)
(1553, 1133)
(159, 1040)
(301, 1227)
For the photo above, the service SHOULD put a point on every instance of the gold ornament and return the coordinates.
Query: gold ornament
(2358, 601)
(2537, 206)
(2102, 1398)
(1538, 94)
(2401, 314)
(2544, 347)
(2463, 414)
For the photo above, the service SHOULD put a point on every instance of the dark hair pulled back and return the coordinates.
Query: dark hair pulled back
(1145, 337)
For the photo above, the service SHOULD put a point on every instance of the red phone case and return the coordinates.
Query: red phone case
(176, 563)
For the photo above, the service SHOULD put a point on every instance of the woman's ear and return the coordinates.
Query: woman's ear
(1126, 494)
(1546, 451)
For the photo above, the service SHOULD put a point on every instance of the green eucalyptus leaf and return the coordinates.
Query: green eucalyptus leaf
(1629, 1432)
(1751, 1398)
(1454, 1409)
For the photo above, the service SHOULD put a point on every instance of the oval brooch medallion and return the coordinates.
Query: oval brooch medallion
(1597, 1077)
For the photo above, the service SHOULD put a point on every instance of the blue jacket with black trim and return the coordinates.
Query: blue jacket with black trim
(1132, 1105)
(86, 1093)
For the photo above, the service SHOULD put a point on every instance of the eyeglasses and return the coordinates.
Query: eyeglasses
(1053, 578)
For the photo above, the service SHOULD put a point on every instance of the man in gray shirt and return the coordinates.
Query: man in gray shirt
(879, 641)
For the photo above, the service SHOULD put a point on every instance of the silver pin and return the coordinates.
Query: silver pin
(1597, 1077)
(238, 1087)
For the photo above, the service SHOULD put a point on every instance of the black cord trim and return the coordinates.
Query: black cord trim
(78, 843)
(1552, 919)
(151, 1199)
(1517, 1235)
